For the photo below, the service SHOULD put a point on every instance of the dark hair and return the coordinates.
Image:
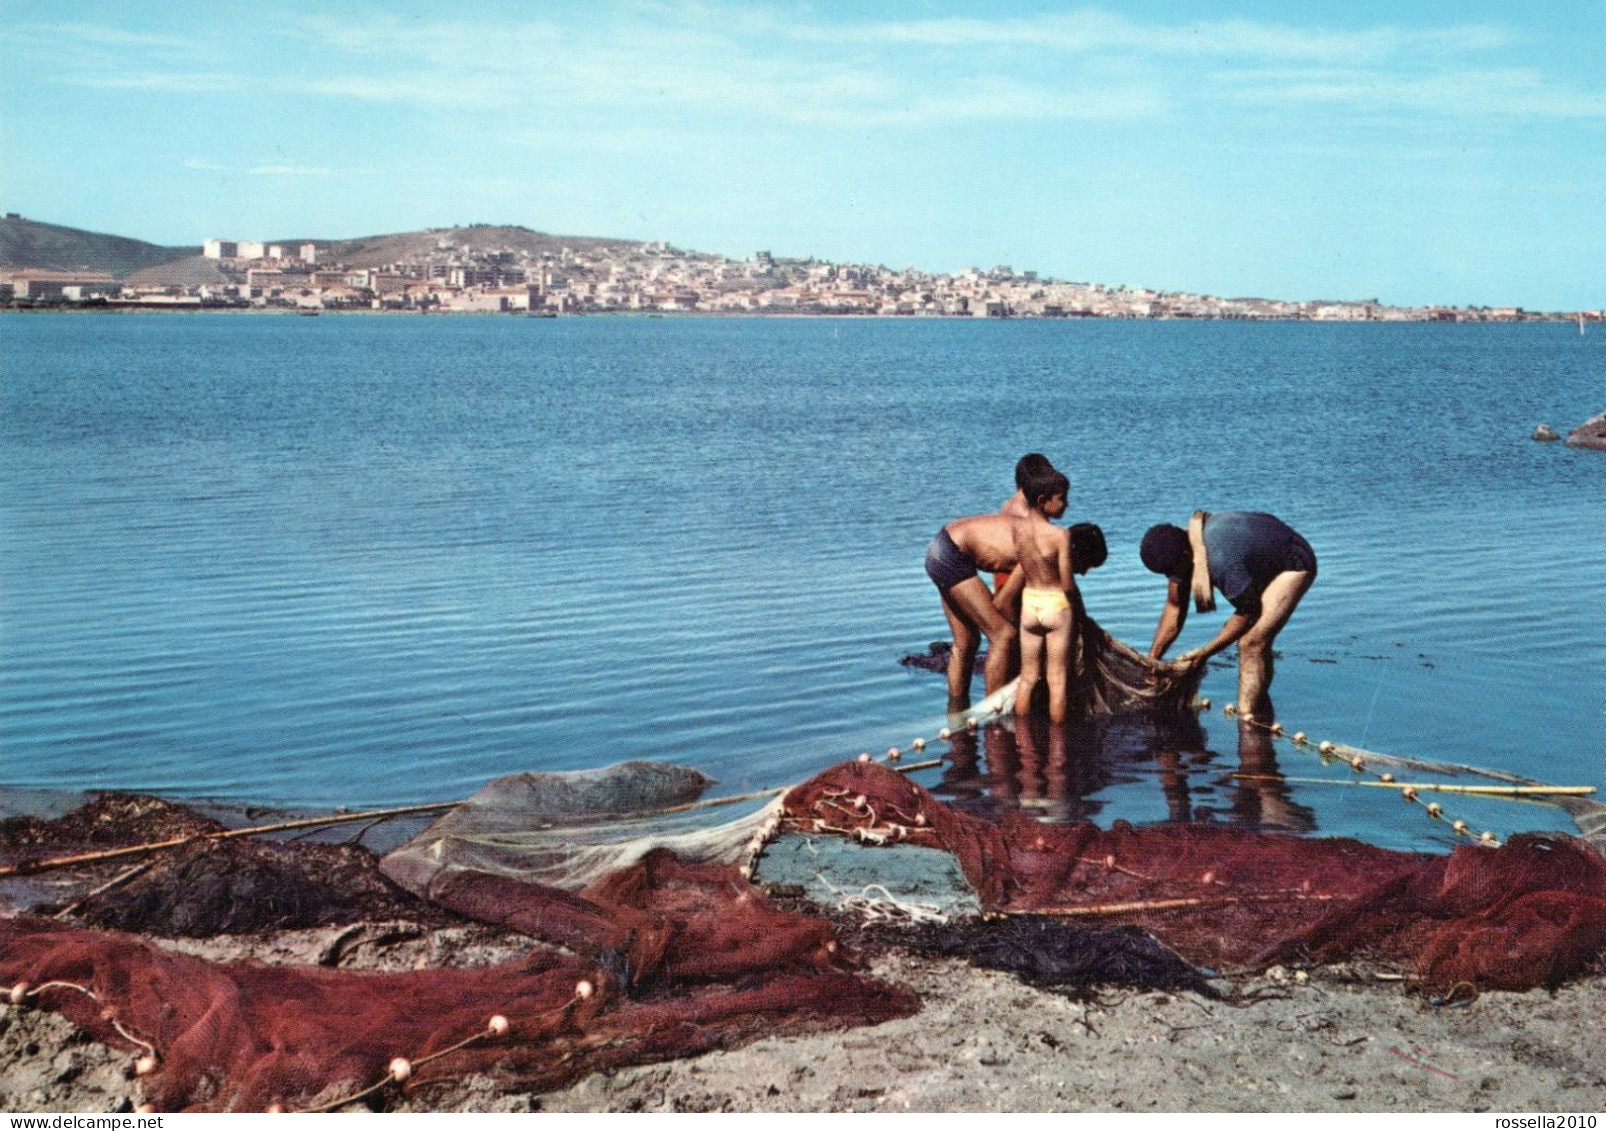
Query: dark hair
(1030, 464)
(1088, 548)
(1165, 550)
(1044, 484)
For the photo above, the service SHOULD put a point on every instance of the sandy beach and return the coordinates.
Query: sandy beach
(1332, 1039)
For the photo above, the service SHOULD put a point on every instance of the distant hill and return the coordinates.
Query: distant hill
(190, 271)
(30, 245)
(436, 243)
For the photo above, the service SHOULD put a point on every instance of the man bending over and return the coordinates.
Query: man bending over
(1259, 563)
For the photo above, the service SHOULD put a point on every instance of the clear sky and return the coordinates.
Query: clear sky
(1411, 152)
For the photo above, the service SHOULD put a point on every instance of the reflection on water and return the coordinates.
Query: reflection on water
(1070, 772)
(1262, 796)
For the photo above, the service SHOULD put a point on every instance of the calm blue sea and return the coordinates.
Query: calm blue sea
(371, 560)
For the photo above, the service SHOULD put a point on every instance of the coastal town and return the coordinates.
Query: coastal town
(485, 269)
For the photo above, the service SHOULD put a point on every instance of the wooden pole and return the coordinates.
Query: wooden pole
(1474, 790)
(1095, 909)
(29, 869)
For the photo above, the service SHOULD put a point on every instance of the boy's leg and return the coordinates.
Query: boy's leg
(962, 657)
(1031, 665)
(1277, 604)
(1010, 614)
(972, 600)
(1059, 655)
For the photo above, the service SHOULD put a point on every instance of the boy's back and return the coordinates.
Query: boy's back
(988, 538)
(1043, 550)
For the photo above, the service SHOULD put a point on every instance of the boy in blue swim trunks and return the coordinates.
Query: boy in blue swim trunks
(954, 560)
(1259, 563)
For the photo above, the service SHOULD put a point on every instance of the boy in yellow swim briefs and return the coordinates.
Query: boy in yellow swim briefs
(1047, 620)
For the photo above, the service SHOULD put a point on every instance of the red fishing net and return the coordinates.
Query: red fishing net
(669, 957)
(673, 959)
(1530, 913)
(244, 1037)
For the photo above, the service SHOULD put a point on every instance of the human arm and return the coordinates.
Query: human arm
(1236, 626)
(1062, 561)
(1172, 618)
(1008, 595)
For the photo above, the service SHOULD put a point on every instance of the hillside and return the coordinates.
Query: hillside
(433, 243)
(30, 245)
(189, 271)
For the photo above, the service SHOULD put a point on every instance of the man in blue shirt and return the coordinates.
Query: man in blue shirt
(1259, 563)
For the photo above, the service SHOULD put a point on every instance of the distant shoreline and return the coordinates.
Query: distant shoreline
(757, 316)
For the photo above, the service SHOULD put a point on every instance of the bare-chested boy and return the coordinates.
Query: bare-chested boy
(1043, 557)
(953, 561)
(1017, 506)
(1029, 465)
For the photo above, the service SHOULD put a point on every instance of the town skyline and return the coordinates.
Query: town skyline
(484, 268)
(1428, 153)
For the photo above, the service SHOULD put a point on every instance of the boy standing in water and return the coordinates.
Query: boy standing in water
(1018, 506)
(1043, 556)
(953, 561)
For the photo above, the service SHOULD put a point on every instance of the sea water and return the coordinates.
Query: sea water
(376, 560)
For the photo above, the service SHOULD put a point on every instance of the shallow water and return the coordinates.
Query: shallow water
(376, 560)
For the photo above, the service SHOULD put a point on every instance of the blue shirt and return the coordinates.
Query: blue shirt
(1246, 550)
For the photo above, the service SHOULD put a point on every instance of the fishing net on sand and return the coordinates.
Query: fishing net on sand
(666, 953)
(1529, 913)
(248, 1037)
(669, 953)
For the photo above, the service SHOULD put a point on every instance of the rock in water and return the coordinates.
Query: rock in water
(1590, 434)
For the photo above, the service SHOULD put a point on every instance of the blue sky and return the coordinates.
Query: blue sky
(1411, 152)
